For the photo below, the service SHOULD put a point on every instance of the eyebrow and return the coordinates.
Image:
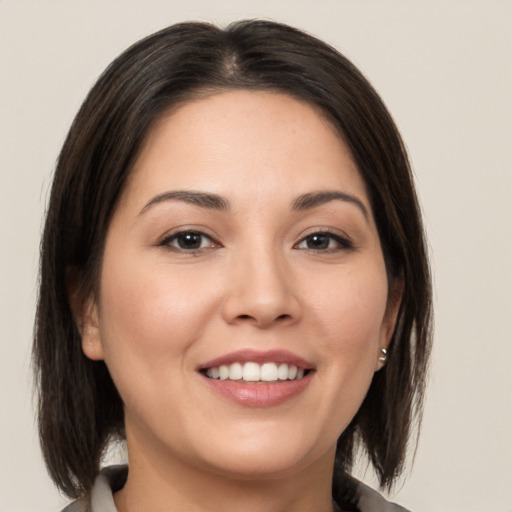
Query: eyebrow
(314, 199)
(216, 202)
(202, 199)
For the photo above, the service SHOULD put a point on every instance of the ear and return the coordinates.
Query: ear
(92, 345)
(396, 291)
(85, 314)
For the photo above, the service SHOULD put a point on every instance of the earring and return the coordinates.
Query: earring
(384, 357)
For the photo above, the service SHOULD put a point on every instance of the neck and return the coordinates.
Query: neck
(162, 483)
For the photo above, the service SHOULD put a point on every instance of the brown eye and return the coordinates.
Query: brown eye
(188, 241)
(324, 241)
(318, 242)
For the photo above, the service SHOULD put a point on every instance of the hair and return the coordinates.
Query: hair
(80, 410)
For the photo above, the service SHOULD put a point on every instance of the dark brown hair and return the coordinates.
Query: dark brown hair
(79, 407)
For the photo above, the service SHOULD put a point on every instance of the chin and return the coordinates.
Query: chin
(263, 467)
(265, 458)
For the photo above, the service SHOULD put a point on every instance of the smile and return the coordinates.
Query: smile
(253, 378)
(254, 372)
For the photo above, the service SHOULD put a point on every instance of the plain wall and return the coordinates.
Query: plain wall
(444, 68)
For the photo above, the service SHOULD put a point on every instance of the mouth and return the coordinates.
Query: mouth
(253, 378)
(254, 372)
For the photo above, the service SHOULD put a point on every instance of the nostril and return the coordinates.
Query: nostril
(282, 317)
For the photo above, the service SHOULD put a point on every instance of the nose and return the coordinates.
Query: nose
(261, 291)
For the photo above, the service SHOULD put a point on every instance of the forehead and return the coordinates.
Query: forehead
(245, 141)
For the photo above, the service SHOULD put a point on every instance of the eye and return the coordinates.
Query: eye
(188, 241)
(324, 241)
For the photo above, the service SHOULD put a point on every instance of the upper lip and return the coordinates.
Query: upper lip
(256, 356)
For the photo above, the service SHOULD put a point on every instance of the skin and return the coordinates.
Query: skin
(256, 282)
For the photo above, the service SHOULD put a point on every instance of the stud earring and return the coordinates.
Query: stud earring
(384, 357)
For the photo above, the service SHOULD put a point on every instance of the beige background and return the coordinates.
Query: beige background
(444, 68)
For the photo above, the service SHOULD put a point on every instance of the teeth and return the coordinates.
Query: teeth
(269, 372)
(235, 371)
(223, 372)
(253, 372)
(282, 372)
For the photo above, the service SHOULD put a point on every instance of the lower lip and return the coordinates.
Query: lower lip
(259, 394)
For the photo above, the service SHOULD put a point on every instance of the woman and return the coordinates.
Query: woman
(233, 279)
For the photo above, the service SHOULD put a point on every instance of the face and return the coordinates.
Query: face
(243, 295)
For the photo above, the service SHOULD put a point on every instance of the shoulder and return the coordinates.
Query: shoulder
(353, 495)
(369, 500)
(76, 506)
(101, 497)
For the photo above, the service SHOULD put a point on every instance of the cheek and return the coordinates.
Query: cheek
(346, 328)
(151, 317)
(151, 310)
(352, 315)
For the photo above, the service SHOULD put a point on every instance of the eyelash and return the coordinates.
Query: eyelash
(174, 237)
(342, 243)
